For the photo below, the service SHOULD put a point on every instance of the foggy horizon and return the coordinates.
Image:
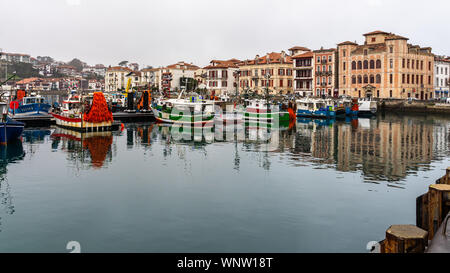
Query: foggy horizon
(159, 33)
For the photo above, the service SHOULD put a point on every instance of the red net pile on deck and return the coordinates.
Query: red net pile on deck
(99, 111)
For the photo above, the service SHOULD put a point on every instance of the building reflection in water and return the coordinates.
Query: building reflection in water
(85, 150)
(386, 148)
(10, 153)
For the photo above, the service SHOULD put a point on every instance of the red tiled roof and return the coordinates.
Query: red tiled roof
(183, 65)
(119, 68)
(348, 43)
(270, 58)
(376, 32)
(395, 37)
(300, 48)
(303, 55)
(28, 80)
(223, 64)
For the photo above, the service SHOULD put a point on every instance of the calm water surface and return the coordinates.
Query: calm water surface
(312, 187)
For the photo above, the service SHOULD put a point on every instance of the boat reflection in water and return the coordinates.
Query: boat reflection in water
(10, 153)
(82, 146)
(384, 148)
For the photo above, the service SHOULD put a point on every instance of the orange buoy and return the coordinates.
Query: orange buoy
(122, 127)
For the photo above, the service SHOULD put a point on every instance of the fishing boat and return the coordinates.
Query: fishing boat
(80, 114)
(33, 105)
(313, 108)
(190, 110)
(367, 107)
(351, 106)
(10, 130)
(335, 107)
(261, 111)
(229, 114)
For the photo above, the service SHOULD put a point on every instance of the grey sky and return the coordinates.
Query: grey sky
(162, 32)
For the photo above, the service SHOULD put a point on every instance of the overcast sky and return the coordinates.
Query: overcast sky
(162, 32)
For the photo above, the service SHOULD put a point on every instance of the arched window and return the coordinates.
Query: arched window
(353, 65)
(372, 79)
(353, 79)
(378, 80)
(372, 64)
(359, 79)
(366, 64)
(359, 65)
(378, 64)
(366, 79)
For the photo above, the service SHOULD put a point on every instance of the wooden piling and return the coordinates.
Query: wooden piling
(404, 239)
(438, 206)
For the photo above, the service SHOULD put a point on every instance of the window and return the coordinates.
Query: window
(391, 63)
(353, 65)
(329, 68)
(324, 68)
(329, 58)
(421, 65)
(403, 63)
(407, 79)
(329, 80)
(359, 65)
(391, 81)
(429, 79)
(403, 78)
(359, 79)
(318, 81)
(318, 68)
(343, 66)
(353, 79)
(372, 64)
(390, 93)
(372, 79)
(412, 64)
(373, 39)
(378, 93)
(365, 51)
(378, 66)
(318, 59)
(366, 79)
(429, 66)
(407, 63)
(366, 64)
(344, 52)
(281, 83)
(224, 83)
(289, 83)
(391, 49)
(378, 78)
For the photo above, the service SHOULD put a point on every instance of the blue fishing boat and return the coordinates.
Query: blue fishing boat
(314, 108)
(10, 130)
(31, 106)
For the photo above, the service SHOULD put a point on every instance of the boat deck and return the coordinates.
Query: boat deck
(43, 121)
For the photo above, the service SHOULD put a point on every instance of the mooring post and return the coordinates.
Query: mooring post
(404, 239)
(438, 206)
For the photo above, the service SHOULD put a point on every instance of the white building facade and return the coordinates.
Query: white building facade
(441, 77)
(221, 77)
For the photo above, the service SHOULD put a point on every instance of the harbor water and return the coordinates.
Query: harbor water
(312, 186)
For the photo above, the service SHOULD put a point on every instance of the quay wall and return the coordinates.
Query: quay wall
(414, 106)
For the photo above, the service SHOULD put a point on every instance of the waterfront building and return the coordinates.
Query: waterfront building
(172, 74)
(253, 74)
(385, 66)
(441, 76)
(325, 76)
(115, 78)
(221, 76)
(15, 57)
(151, 77)
(303, 73)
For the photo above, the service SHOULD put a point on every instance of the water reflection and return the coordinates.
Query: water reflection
(8, 154)
(385, 148)
(85, 150)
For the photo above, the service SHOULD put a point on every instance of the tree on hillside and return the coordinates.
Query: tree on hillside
(123, 63)
(77, 64)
